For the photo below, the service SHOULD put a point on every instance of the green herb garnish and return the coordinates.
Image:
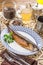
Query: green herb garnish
(8, 37)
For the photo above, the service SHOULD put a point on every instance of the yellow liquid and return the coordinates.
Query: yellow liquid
(40, 1)
(26, 16)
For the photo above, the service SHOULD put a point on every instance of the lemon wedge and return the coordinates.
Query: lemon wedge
(40, 2)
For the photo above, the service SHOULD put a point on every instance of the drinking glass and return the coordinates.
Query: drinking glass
(8, 9)
(25, 11)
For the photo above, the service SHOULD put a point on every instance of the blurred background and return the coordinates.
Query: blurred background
(1, 1)
(19, 0)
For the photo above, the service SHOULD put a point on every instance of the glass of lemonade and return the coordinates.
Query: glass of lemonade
(26, 12)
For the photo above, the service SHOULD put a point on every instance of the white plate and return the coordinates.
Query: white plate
(14, 47)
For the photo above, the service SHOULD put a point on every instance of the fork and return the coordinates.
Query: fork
(14, 58)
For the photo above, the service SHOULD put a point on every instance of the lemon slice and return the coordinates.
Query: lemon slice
(40, 2)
